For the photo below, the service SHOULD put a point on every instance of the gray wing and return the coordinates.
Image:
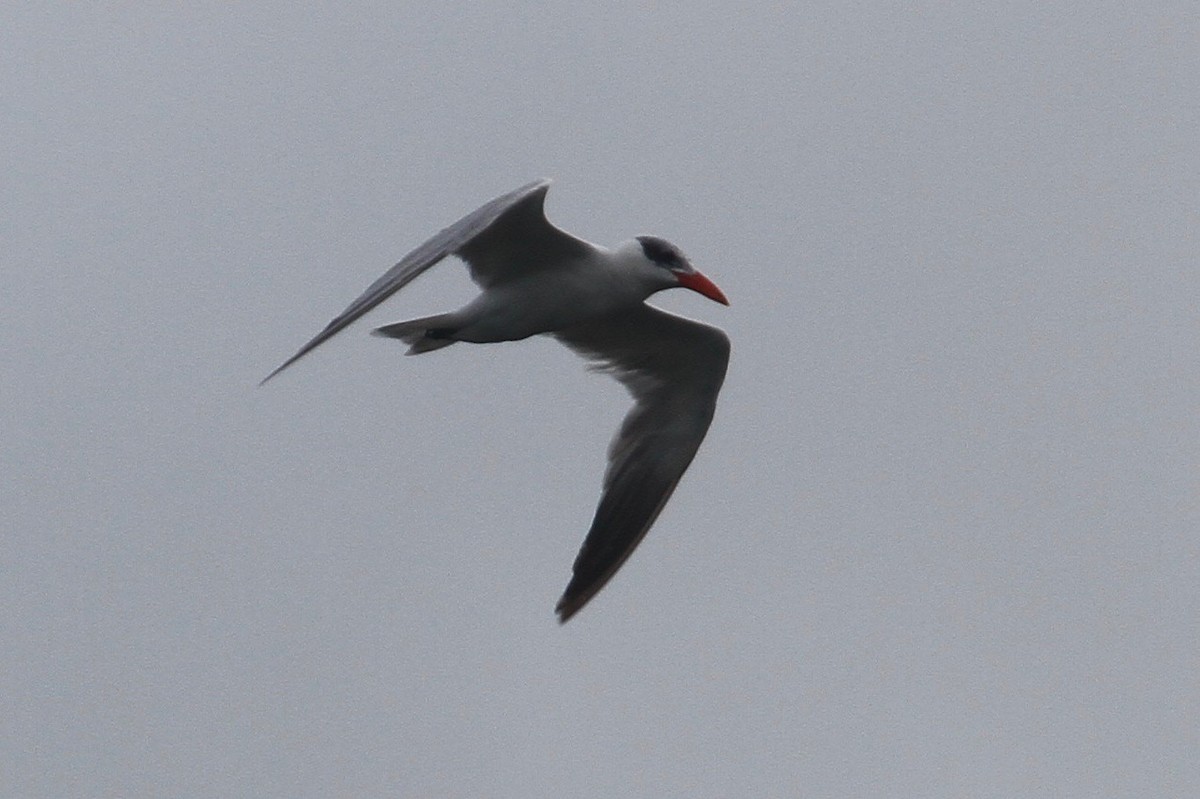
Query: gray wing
(674, 368)
(501, 240)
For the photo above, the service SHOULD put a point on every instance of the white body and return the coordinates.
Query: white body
(551, 300)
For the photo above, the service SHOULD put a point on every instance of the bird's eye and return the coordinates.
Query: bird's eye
(659, 251)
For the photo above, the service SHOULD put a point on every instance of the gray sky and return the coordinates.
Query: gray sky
(941, 540)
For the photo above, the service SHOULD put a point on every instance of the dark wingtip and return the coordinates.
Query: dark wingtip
(334, 327)
(263, 382)
(280, 368)
(565, 611)
(574, 599)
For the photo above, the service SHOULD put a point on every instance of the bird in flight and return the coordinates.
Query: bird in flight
(538, 279)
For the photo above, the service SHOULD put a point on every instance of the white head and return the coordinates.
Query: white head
(666, 267)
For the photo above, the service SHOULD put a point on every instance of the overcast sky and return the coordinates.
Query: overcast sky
(942, 540)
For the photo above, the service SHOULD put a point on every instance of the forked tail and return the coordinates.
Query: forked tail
(422, 335)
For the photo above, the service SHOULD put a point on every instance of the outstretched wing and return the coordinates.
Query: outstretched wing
(500, 241)
(674, 368)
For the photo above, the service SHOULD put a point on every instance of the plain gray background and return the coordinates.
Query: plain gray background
(941, 540)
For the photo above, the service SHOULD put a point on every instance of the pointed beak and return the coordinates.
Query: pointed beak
(701, 285)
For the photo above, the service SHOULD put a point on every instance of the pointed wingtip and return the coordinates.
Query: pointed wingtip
(563, 608)
(333, 327)
(279, 369)
(571, 602)
(564, 613)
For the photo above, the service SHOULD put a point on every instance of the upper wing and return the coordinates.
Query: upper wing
(504, 238)
(674, 368)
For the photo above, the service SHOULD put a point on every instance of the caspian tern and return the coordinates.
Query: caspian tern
(536, 279)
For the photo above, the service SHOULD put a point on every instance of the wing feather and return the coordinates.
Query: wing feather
(502, 238)
(674, 368)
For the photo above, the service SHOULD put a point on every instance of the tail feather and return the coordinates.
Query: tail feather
(422, 335)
